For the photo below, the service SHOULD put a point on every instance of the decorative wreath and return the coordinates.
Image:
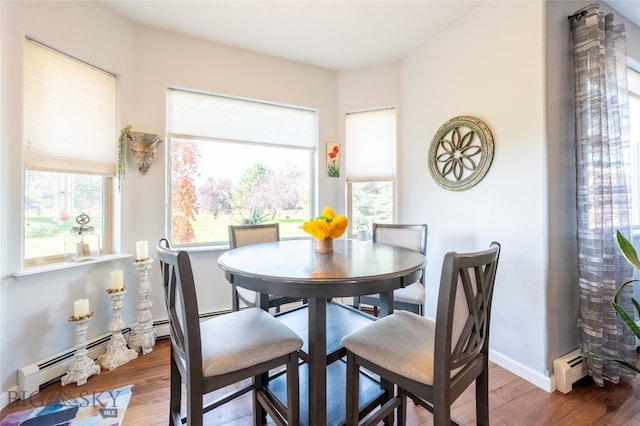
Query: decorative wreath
(461, 153)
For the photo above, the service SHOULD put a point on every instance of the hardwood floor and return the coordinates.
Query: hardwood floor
(513, 401)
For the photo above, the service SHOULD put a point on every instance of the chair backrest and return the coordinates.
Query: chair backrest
(244, 235)
(464, 309)
(413, 237)
(182, 307)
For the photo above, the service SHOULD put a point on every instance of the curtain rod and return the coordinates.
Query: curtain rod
(577, 16)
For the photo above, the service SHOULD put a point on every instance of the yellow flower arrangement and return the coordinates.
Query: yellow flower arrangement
(327, 225)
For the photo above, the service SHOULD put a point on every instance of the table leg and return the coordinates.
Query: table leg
(317, 362)
(386, 304)
(263, 301)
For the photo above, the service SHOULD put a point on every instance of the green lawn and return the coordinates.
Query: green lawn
(45, 237)
(208, 229)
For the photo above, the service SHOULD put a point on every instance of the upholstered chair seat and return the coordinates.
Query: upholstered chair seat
(227, 346)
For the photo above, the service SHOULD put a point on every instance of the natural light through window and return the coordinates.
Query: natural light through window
(370, 167)
(253, 166)
(69, 156)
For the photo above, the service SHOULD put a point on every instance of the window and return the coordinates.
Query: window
(69, 151)
(634, 130)
(236, 161)
(370, 166)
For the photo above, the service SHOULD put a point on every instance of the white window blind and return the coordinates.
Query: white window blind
(370, 144)
(225, 118)
(69, 114)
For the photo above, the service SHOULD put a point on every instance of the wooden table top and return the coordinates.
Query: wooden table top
(293, 268)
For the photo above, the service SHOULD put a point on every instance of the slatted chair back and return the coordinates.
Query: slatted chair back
(182, 306)
(464, 306)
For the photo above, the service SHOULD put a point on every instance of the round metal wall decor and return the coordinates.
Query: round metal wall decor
(460, 153)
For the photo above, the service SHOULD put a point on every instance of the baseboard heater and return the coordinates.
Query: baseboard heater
(48, 370)
(567, 370)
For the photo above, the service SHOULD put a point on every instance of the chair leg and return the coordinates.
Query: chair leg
(441, 408)
(194, 406)
(235, 301)
(175, 395)
(482, 397)
(293, 391)
(353, 384)
(259, 413)
(402, 409)
(388, 388)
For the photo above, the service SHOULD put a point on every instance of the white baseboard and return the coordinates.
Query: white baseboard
(34, 376)
(4, 397)
(546, 383)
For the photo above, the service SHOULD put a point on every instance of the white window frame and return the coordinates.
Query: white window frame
(206, 135)
(72, 160)
(385, 174)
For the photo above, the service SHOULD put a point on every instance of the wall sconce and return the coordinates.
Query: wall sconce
(143, 148)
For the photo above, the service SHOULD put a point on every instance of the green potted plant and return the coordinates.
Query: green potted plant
(631, 255)
(629, 252)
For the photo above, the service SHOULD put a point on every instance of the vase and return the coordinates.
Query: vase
(324, 246)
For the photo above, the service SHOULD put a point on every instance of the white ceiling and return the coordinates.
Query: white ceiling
(336, 35)
(330, 34)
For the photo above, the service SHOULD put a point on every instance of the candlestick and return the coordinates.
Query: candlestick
(142, 250)
(143, 336)
(117, 352)
(116, 280)
(83, 367)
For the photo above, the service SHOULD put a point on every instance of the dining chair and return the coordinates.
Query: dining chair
(432, 362)
(414, 237)
(224, 350)
(244, 235)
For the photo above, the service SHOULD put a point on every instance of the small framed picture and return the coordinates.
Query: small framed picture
(333, 159)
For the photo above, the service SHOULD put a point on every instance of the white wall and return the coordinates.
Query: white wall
(489, 65)
(472, 68)
(146, 62)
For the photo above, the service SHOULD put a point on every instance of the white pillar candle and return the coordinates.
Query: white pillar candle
(80, 308)
(116, 280)
(142, 250)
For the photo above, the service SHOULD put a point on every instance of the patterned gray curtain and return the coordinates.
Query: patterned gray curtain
(602, 137)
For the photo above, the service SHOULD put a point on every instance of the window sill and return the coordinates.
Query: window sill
(63, 266)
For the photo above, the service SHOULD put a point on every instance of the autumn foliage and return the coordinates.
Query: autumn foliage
(183, 192)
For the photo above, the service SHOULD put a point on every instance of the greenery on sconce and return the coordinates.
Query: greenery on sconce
(122, 151)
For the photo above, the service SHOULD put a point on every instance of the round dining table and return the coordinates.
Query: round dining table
(293, 268)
